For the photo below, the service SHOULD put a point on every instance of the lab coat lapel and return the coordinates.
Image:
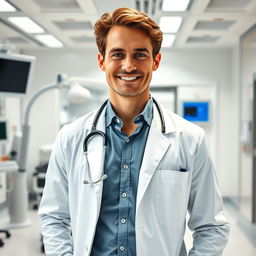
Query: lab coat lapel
(96, 158)
(156, 146)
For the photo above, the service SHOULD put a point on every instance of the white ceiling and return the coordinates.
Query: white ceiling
(207, 23)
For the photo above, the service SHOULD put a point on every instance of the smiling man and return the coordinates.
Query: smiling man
(128, 62)
(128, 67)
(132, 200)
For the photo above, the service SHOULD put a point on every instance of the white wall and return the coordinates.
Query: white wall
(178, 67)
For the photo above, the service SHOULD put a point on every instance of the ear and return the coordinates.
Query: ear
(101, 62)
(157, 61)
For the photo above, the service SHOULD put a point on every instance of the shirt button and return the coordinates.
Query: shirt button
(123, 221)
(121, 248)
(126, 166)
(127, 140)
(124, 195)
(117, 120)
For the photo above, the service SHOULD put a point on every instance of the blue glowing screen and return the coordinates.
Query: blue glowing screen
(196, 111)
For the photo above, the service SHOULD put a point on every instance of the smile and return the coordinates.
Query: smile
(128, 78)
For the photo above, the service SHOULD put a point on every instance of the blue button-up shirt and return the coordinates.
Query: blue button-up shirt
(115, 232)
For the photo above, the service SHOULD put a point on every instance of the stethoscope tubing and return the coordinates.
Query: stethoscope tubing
(95, 132)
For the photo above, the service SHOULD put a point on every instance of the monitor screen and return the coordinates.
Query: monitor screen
(3, 130)
(15, 74)
(196, 111)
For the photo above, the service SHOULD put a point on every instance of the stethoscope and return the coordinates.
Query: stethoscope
(95, 132)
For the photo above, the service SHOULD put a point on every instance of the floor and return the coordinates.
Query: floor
(26, 241)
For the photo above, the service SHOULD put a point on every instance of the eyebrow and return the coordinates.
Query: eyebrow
(122, 50)
(141, 50)
(116, 50)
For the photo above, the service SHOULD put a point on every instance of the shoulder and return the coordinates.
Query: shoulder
(182, 128)
(186, 126)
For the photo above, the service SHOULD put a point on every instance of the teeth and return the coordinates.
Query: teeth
(128, 78)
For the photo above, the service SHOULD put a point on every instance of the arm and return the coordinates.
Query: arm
(54, 208)
(207, 220)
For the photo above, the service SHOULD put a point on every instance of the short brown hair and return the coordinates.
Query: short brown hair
(130, 18)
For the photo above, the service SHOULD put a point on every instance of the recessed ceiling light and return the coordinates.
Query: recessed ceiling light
(175, 6)
(49, 40)
(6, 7)
(26, 24)
(168, 40)
(170, 24)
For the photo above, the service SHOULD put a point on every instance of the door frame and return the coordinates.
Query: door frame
(254, 151)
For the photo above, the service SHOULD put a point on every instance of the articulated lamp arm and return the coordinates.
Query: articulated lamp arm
(22, 161)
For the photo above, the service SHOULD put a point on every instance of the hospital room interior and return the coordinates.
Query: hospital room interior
(49, 77)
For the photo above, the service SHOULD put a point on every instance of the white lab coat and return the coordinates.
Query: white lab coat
(164, 196)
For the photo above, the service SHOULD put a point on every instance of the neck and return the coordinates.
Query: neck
(127, 108)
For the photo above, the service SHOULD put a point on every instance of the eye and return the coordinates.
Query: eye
(140, 55)
(117, 55)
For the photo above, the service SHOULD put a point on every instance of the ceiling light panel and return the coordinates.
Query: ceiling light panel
(26, 24)
(170, 24)
(6, 7)
(81, 25)
(58, 5)
(214, 25)
(175, 5)
(50, 41)
(168, 40)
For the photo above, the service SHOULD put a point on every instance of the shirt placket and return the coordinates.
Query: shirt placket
(125, 186)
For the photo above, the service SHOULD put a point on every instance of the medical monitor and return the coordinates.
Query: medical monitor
(197, 111)
(3, 130)
(15, 74)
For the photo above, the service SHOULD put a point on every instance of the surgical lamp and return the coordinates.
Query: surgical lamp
(18, 200)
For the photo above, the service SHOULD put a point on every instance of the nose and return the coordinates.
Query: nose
(128, 64)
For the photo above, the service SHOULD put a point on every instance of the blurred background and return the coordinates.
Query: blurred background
(49, 76)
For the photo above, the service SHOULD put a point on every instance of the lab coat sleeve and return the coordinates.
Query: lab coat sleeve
(54, 208)
(207, 221)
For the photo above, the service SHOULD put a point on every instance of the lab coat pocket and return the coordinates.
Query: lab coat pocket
(171, 196)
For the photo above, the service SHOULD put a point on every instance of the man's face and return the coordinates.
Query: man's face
(128, 61)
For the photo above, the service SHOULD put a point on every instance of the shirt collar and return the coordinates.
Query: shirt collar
(110, 114)
(146, 114)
